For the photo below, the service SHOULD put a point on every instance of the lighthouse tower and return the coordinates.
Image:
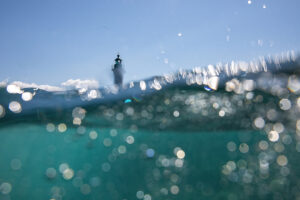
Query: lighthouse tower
(118, 71)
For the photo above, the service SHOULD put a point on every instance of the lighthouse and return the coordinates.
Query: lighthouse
(118, 71)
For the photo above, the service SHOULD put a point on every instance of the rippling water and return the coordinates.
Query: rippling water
(230, 131)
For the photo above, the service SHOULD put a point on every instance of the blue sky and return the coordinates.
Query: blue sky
(51, 41)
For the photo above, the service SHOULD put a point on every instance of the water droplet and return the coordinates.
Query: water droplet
(273, 136)
(259, 122)
(15, 107)
(93, 135)
(176, 113)
(285, 104)
(231, 146)
(130, 139)
(122, 149)
(174, 189)
(140, 194)
(143, 85)
(50, 127)
(13, 89)
(282, 160)
(16, 164)
(62, 127)
(180, 154)
(5, 188)
(27, 96)
(105, 167)
(51, 173)
(244, 148)
(2, 111)
(68, 173)
(150, 153)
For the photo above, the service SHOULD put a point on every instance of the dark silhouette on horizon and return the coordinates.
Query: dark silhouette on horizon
(118, 71)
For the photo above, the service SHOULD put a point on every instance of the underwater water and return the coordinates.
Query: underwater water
(221, 132)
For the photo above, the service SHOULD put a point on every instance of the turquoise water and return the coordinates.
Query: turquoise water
(127, 173)
(156, 139)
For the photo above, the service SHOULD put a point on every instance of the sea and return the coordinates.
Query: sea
(226, 131)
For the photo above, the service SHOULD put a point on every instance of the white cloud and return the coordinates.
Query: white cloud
(81, 84)
(48, 88)
(78, 84)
